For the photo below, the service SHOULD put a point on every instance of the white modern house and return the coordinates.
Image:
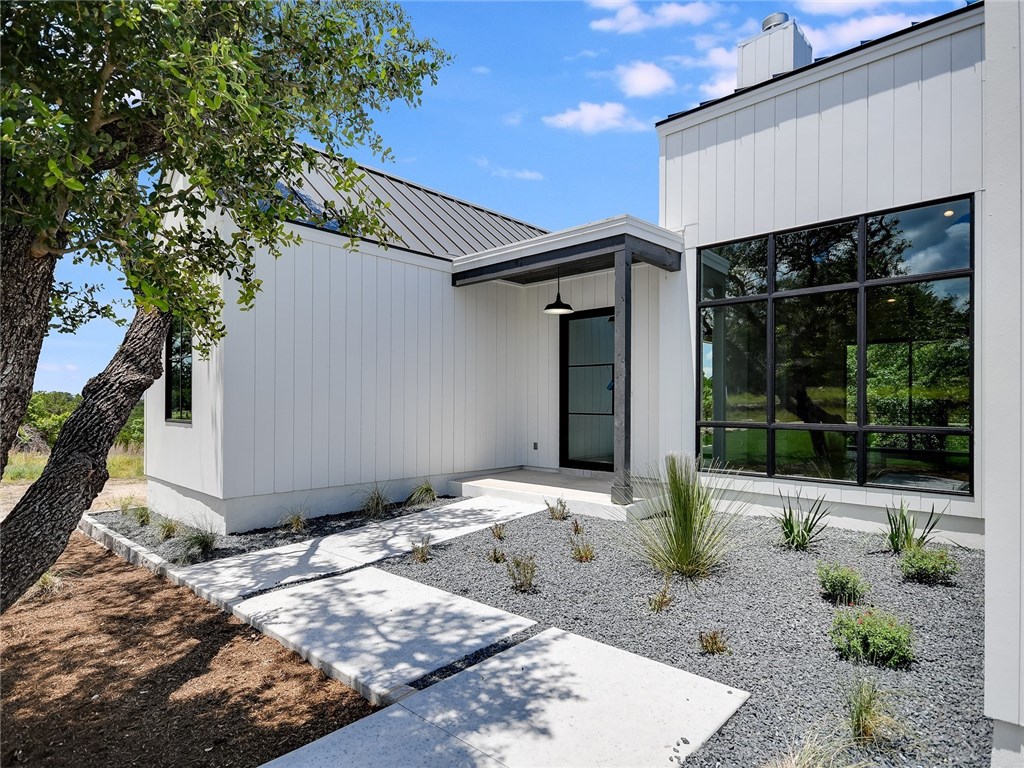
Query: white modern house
(830, 304)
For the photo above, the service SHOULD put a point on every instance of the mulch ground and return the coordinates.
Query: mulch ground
(121, 668)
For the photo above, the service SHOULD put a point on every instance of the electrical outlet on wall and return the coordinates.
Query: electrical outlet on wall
(535, 445)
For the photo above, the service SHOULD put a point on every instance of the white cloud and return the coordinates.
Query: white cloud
(509, 173)
(513, 118)
(586, 53)
(596, 118)
(52, 367)
(643, 78)
(629, 18)
(836, 7)
(842, 35)
(722, 64)
(481, 70)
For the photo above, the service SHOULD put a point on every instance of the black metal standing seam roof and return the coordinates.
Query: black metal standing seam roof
(420, 219)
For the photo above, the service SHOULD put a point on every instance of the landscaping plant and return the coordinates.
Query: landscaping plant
(680, 526)
(581, 549)
(198, 542)
(295, 521)
(818, 750)
(799, 528)
(375, 501)
(660, 600)
(141, 515)
(496, 555)
(498, 531)
(421, 551)
(928, 566)
(902, 526)
(559, 510)
(125, 503)
(873, 636)
(870, 713)
(713, 642)
(840, 584)
(577, 527)
(167, 528)
(49, 584)
(522, 569)
(423, 493)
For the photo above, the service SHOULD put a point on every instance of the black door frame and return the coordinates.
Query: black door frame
(563, 391)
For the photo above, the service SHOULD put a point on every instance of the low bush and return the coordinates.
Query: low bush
(713, 642)
(928, 566)
(167, 528)
(901, 531)
(660, 600)
(869, 713)
(423, 493)
(198, 543)
(496, 555)
(577, 527)
(559, 510)
(140, 515)
(873, 636)
(375, 501)
(800, 528)
(841, 585)
(581, 549)
(421, 552)
(522, 569)
(498, 531)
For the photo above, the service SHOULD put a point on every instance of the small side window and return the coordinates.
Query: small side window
(178, 371)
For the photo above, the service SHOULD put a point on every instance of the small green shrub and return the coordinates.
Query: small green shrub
(198, 543)
(498, 531)
(799, 528)
(295, 521)
(680, 526)
(140, 515)
(421, 552)
(713, 642)
(869, 713)
(375, 501)
(841, 585)
(577, 527)
(423, 493)
(49, 585)
(902, 526)
(873, 636)
(522, 569)
(928, 566)
(167, 528)
(496, 555)
(581, 549)
(660, 600)
(559, 510)
(125, 503)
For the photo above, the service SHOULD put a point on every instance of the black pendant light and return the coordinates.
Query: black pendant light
(558, 307)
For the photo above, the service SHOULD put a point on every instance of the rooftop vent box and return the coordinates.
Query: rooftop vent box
(780, 47)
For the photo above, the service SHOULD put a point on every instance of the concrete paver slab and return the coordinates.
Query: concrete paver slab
(391, 738)
(226, 581)
(562, 700)
(375, 631)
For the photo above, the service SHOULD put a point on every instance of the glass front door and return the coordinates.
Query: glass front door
(587, 376)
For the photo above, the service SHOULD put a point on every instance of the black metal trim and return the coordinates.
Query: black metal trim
(563, 390)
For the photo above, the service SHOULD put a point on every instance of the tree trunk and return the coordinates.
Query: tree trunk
(26, 282)
(36, 531)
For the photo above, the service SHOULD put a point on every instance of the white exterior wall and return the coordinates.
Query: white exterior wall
(895, 124)
(1001, 424)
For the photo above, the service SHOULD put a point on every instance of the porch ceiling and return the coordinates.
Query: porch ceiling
(588, 248)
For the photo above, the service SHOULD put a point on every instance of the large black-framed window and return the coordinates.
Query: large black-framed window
(843, 352)
(178, 370)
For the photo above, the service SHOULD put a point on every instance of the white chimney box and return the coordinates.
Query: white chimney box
(779, 47)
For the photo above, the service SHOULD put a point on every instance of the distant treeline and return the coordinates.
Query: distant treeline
(47, 412)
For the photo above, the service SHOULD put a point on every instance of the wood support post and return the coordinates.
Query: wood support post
(622, 490)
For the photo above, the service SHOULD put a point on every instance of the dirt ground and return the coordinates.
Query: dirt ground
(10, 493)
(120, 668)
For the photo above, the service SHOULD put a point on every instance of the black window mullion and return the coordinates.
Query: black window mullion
(770, 365)
(862, 350)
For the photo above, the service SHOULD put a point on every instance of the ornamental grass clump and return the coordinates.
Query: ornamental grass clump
(522, 570)
(421, 552)
(140, 515)
(661, 599)
(800, 528)
(874, 637)
(713, 642)
(375, 501)
(167, 528)
(681, 528)
(901, 531)
(496, 555)
(198, 543)
(869, 713)
(295, 521)
(559, 510)
(841, 585)
(423, 493)
(928, 566)
(498, 531)
(581, 549)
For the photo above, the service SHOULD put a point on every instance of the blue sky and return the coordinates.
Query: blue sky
(547, 112)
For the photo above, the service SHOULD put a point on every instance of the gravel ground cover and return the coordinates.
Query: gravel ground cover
(231, 544)
(767, 601)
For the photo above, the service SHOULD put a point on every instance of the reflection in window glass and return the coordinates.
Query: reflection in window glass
(815, 360)
(740, 269)
(818, 256)
(735, 362)
(929, 239)
(928, 462)
(919, 354)
(803, 453)
(743, 450)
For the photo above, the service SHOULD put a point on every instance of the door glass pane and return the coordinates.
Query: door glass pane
(803, 453)
(816, 359)
(818, 256)
(591, 340)
(740, 269)
(929, 462)
(927, 239)
(735, 362)
(919, 354)
(589, 391)
(591, 438)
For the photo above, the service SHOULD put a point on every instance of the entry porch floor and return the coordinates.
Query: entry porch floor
(585, 494)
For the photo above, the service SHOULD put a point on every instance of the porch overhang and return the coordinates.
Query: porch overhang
(587, 248)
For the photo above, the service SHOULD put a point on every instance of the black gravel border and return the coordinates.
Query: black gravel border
(767, 600)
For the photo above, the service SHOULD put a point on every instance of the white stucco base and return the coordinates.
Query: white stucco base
(1007, 745)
